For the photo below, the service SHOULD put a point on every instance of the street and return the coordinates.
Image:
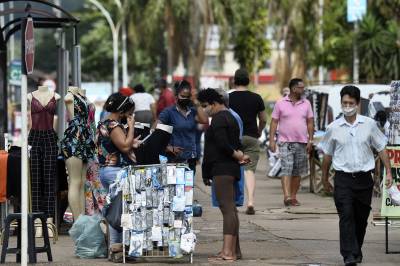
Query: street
(305, 235)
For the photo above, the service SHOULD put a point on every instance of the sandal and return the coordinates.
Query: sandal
(219, 260)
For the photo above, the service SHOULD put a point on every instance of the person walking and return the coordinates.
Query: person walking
(249, 106)
(145, 109)
(184, 117)
(166, 98)
(294, 116)
(221, 167)
(348, 145)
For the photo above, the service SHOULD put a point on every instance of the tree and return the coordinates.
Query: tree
(249, 28)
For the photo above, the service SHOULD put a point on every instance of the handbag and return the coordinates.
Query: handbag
(197, 209)
(113, 212)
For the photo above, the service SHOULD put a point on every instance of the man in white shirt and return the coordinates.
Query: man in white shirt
(348, 145)
(145, 108)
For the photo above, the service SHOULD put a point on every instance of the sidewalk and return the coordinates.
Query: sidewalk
(276, 235)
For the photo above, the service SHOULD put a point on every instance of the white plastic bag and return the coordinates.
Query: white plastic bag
(275, 169)
(394, 194)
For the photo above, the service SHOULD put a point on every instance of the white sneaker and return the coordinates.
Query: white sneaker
(394, 194)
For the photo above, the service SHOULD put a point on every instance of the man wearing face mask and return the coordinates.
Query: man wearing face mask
(294, 116)
(183, 117)
(348, 145)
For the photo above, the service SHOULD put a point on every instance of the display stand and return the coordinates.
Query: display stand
(157, 215)
(387, 238)
(388, 209)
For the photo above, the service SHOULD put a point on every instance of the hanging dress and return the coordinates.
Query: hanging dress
(78, 137)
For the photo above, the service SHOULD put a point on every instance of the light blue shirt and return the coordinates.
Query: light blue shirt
(350, 145)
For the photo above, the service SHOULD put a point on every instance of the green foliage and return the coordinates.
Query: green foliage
(249, 26)
(97, 49)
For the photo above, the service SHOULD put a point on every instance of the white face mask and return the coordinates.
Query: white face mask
(349, 111)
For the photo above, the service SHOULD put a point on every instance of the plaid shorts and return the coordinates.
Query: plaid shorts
(294, 159)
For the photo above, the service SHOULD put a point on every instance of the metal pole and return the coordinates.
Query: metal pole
(114, 32)
(115, 60)
(356, 61)
(125, 76)
(321, 40)
(76, 60)
(24, 170)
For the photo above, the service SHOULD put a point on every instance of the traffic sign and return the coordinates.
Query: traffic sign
(28, 44)
(15, 73)
(356, 9)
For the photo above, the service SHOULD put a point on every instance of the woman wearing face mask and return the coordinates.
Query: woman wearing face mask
(221, 166)
(115, 143)
(183, 117)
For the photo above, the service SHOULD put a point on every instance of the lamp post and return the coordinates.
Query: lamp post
(114, 32)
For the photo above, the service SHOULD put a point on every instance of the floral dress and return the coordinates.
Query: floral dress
(78, 137)
(95, 193)
(108, 153)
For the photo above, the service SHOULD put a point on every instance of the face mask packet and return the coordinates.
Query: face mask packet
(149, 218)
(171, 193)
(136, 245)
(144, 221)
(180, 190)
(149, 197)
(156, 214)
(171, 235)
(165, 232)
(156, 199)
(149, 241)
(160, 196)
(166, 197)
(127, 234)
(174, 249)
(156, 178)
(164, 174)
(138, 179)
(147, 179)
(137, 225)
(171, 218)
(166, 213)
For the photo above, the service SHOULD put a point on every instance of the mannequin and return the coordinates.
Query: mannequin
(78, 147)
(43, 154)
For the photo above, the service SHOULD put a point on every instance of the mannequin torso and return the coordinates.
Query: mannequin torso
(43, 95)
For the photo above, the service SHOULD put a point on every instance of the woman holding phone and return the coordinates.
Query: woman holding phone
(221, 166)
(115, 144)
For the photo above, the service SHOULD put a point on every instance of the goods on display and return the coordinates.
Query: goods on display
(157, 217)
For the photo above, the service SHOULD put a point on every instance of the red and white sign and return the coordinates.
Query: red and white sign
(29, 46)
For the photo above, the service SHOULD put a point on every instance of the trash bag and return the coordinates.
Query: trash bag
(89, 239)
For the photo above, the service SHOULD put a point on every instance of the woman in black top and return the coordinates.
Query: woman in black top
(221, 164)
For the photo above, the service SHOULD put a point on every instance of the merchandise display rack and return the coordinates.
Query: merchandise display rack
(157, 214)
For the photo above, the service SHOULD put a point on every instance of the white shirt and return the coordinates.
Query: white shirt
(142, 100)
(350, 145)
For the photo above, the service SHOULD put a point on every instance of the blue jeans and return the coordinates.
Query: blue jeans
(107, 176)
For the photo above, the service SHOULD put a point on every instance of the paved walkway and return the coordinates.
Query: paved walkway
(304, 235)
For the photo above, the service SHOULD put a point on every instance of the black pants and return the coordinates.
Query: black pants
(352, 195)
(43, 165)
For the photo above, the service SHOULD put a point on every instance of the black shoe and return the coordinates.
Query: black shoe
(350, 261)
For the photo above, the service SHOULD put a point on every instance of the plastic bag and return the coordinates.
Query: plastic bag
(89, 239)
(275, 169)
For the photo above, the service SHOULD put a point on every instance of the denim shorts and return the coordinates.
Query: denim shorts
(108, 175)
